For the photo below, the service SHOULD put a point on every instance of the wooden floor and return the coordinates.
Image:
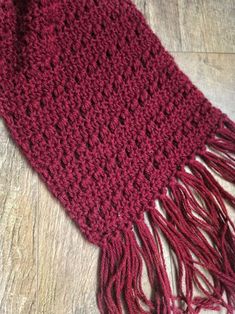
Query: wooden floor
(45, 264)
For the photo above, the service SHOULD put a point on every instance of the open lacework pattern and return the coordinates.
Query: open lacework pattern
(105, 116)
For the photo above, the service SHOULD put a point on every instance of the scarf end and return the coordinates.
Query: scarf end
(192, 218)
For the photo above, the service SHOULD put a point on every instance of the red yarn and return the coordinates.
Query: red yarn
(105, 116)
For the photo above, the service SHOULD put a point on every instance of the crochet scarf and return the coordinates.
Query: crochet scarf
(128, 144)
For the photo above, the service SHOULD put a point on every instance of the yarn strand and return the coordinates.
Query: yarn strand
(200, 233)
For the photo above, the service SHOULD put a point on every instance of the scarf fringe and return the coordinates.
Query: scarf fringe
(195, 222)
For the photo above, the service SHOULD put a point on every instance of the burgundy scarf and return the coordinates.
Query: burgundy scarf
(111, 124)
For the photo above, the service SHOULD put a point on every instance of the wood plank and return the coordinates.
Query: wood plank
(207, 25)
(18, 245)
(67, 262)
(163, 18)
(192, 26)
(214, 75)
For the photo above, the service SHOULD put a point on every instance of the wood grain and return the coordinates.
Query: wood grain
(207, 26)
(18, 202)
(46, 266)
(67, 264)
(163, 17)
(192, 25)
(214, 75)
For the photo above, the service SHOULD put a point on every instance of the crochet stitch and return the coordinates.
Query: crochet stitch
(103, 113)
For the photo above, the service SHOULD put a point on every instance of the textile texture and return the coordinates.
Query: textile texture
(103, 113)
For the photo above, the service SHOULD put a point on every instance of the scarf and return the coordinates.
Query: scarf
(129, 146)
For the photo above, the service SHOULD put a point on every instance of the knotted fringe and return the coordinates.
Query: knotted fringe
(201, 235)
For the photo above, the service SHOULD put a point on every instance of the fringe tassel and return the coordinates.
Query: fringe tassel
(225, 140)
(120, 276)
(201, 235)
